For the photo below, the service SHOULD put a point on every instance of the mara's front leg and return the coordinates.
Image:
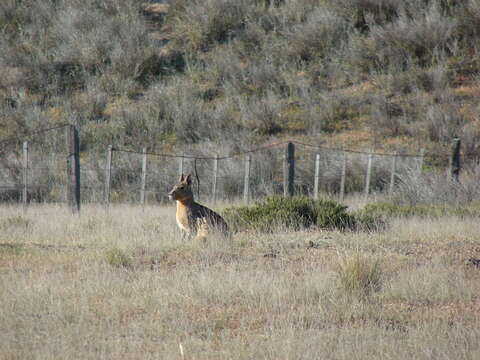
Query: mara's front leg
(184, 234)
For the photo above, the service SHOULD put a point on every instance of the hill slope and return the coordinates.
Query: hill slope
(376, 72)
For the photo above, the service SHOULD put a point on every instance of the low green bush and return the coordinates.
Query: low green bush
(387, 210)
(293, 213)
(331, 215)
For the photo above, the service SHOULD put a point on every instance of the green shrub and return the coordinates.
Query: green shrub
(118, 258)
(294, 213)
(359, 275)
(332, 215)
(385, 210)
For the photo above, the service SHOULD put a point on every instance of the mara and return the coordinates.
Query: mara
(193, 219)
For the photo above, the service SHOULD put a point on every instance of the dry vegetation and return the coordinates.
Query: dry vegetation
(217, 76)
(123, 285)
(163, 73)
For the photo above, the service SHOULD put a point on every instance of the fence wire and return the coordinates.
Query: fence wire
(45, 172)
(36, 162)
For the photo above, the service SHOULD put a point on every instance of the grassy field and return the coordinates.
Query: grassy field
(123, 285)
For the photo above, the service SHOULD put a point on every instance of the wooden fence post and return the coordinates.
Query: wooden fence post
(180, 164)
(317, 176)
(420, 161)
(215, 175)
(108, 175)
(144, 176)
(343, 176)
(455, 165)
(246, 181)
(369, 173)
(73, 168)
(289, 171)
(25, 176)
(393, 173)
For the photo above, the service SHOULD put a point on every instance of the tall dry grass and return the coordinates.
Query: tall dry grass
(256, 296)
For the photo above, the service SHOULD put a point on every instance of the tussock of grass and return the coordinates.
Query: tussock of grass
(118, 258)
(359, 275)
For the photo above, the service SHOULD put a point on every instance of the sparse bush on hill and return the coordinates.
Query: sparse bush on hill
(413, 38)
(317, 38)
(199, 25)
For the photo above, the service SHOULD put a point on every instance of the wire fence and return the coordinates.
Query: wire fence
(33, 166)
(37, 167)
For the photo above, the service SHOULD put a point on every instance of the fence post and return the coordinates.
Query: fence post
(420, 162)
(215, 175)
(369, 172)
(392, 173)
(246, 181)
(180, 164)
(73, 168)
(108, 175)
(343, 176)
(317, 176)
(455, 165)
(289, 170)
(144, 176)
(25, 176)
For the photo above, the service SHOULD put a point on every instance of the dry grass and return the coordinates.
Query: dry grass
(275, 296)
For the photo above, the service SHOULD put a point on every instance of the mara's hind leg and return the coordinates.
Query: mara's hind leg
(202, 231)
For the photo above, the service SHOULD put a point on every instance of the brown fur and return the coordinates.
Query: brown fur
(192, 218)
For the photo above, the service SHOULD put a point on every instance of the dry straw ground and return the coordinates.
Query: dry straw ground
(122, 285)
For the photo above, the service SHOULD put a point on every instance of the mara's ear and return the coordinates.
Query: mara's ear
(181, 178)
(188, 179)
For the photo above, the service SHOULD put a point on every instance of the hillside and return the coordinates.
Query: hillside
(378, 73)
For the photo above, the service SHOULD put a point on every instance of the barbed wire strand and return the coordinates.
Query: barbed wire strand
(355, 151)
(232, 155)
(193, 157)
(260, 148)
(30, 134)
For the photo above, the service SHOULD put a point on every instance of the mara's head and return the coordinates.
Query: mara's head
(182, 190)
